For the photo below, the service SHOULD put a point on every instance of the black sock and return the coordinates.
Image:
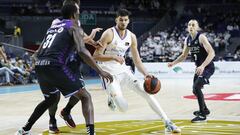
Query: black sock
(52, 119)
(27, 126)
(90, 129)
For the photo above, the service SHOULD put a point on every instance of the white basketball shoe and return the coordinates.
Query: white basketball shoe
(172, 128)
(22, 132)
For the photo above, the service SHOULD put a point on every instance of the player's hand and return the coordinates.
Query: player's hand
(170, 64)
(94, 31)
(119, 59)
(199, 70)
(106, 76)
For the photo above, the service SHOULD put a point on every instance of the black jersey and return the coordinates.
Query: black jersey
(57, 44)
(198, 52)
(74, 61)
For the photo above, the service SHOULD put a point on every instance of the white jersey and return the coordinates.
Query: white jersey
(117, 47)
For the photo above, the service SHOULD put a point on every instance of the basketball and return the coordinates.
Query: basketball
(152, 85)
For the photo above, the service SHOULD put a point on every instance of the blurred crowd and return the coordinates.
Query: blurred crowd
(100, 7)
(17, 70)
(166, 45)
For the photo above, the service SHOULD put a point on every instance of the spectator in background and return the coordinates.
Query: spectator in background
(17, 31)
(2, 54)
(26, 57)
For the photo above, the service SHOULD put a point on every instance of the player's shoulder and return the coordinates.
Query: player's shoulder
(202, 36)
(108, 32)
(56, 20)
(131, 33)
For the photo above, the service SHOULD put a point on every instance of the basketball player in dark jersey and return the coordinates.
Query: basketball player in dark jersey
(203, 54)
(53, 73)
(73, 62)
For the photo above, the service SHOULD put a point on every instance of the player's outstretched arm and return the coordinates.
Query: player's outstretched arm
(182, 57)
(89, 38)
(86, 56)
(94, 31)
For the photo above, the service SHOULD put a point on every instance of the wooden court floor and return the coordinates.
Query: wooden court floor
(15, 108)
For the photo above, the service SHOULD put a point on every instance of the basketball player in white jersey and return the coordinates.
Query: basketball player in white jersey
(116, 41)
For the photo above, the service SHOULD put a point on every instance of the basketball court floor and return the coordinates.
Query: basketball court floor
(175, 97)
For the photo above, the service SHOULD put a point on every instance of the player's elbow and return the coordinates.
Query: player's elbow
(212, 53)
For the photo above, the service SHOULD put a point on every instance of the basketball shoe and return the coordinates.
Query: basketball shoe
(53, 129)
(199, 118)
(22, 132)
(68, 119)
(197, 113)
(172, 128)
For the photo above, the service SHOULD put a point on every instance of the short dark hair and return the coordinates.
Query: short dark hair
(69, 10)
(123, 12)
(67, 1)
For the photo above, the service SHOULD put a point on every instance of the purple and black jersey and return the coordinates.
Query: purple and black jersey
(57, 44)
(198, 52)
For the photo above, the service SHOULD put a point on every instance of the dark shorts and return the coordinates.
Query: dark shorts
(207, 73)
(58, 78)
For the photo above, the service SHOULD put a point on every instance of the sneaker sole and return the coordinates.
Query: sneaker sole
(67, 122)
(174, 132)
(198, 115)
(202, 121)
(53, 132)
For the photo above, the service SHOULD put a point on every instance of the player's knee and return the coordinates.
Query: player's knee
(83, 94)
(198, 84)
(88, 96)
(137, 87)
(51, 99)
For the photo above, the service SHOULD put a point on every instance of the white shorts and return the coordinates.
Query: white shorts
(122, 81)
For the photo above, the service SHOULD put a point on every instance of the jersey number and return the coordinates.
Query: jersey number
(49, 40)
(195, 57)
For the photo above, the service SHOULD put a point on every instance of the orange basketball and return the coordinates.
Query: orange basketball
(152, 85)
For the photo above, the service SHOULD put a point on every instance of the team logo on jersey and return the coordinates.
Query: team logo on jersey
(127, 43)
(194, 49)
